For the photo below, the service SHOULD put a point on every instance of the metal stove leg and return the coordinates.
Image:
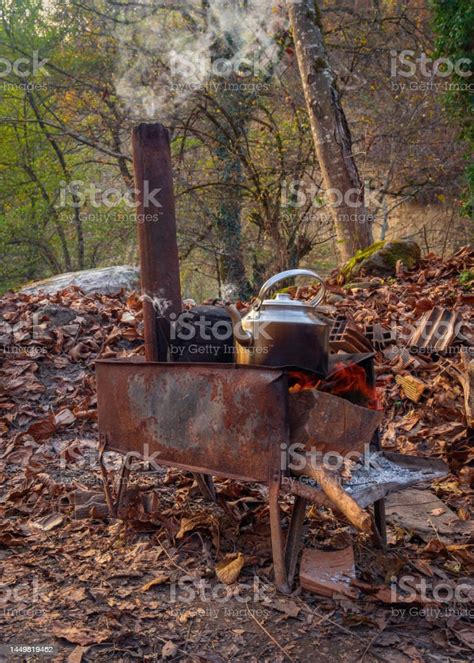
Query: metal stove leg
(379, 505)
(294, 538)
(206, 486)
(279, 566)
(380, 522)
(105, 477)
(123, 481)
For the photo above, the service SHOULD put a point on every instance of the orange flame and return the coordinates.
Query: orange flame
(349, 381)
(301, 381)
(352, 380)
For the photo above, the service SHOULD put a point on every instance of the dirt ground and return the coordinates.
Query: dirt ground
(147, 587)
(84, 587)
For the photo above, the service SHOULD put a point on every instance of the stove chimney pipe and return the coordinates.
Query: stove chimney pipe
(158, 247)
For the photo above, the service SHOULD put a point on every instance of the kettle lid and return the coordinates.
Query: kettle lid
(284, 299)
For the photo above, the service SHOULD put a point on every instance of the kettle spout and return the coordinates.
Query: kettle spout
(242, 336)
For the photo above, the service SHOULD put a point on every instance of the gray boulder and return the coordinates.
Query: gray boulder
(104, 280)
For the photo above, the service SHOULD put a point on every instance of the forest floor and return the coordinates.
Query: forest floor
(145, 587)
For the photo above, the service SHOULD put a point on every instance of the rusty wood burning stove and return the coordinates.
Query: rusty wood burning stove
(221, 419)
(225, 420)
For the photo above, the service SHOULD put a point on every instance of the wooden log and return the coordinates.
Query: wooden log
(314, 495)
(291, 485)
(338, 496)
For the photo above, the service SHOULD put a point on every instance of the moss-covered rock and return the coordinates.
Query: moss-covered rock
(351, 268)
(380, 259)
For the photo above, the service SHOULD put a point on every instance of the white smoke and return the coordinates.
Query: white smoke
(160, 304)
(167, 55)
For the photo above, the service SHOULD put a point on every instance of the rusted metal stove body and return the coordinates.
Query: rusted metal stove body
(218, 419)
(211, 419)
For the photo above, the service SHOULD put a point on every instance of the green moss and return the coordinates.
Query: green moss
(466, 279)
(284, 291)
(359, 256)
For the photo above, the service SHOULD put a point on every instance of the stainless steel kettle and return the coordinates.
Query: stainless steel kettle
(282, 331)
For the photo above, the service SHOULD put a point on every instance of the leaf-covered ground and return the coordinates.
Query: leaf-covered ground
(184, 580)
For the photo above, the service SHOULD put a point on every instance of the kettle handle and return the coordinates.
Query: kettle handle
(286, 275)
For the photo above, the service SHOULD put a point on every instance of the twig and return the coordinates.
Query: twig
(434, 529)
(283, 651)
(181, 568)
(371, 642)
(331, 621)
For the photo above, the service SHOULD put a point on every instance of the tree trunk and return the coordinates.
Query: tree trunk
(331, 135)
(228, 222)
(228, 225)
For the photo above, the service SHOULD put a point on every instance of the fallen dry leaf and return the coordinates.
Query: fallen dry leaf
(438, 511)
(11, 536)
(229, 570)
(76, 594)
(199, 520)
(79, 352)
(466, 636)
(65, 418)
(43, 429)
(76, 655)
(287, 606)
(169, 649)
(79, 635)
(158, 580)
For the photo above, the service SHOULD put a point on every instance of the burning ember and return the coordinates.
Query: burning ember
(301, 381)
(348, 381)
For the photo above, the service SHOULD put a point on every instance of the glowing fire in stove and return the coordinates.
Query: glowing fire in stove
(301, 381)
(348, 381)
